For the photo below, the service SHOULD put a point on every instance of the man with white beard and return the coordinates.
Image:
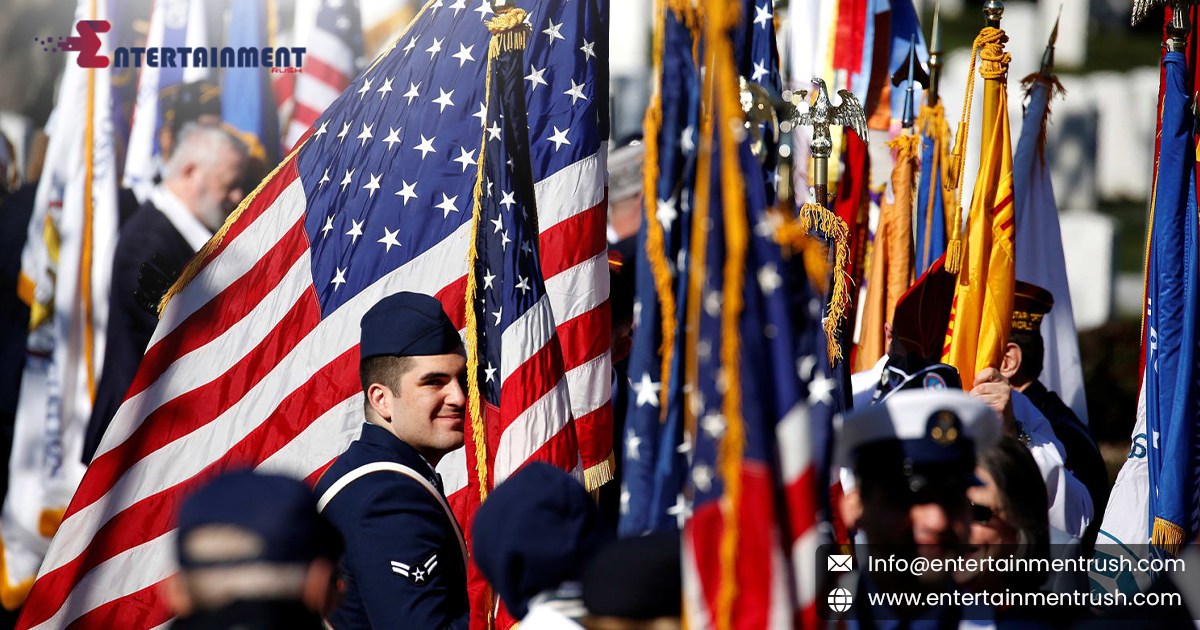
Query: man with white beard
(202, 184)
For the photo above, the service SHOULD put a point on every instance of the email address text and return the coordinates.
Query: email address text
(921, 566)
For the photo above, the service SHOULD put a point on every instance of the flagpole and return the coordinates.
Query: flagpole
(935, 57)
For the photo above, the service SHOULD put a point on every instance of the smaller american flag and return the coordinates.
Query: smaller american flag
(334, 45)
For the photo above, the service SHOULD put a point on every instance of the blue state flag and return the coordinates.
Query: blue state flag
(1172, 294)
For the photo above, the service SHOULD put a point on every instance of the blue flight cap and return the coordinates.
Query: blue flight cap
(407, 324)
(244, 517)
(922, 438)
(534, 532)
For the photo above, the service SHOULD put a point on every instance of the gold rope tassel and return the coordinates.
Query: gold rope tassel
(989, 45)
(1167, 536)
(814, 217)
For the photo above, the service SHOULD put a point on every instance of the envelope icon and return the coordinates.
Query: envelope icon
(840, 563)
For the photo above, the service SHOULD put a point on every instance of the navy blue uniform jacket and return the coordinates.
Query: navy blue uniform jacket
(145, 233)
(403, 566)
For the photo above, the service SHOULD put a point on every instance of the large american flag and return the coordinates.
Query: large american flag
(756, 375)
(335, 43)
(254, 362)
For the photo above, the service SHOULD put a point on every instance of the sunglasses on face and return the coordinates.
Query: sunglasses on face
(982, 514)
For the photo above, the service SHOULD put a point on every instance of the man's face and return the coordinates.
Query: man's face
(429, 410)
(219, 188)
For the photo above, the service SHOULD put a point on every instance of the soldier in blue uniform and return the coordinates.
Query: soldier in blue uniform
(405, 561)
(913, 457)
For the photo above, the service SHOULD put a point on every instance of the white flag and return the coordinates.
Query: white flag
(173, 23)
(66, 268)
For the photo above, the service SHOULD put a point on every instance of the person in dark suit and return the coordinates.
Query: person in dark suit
(254, 554)
(1022, 365)
(405, 562)
(202, 184)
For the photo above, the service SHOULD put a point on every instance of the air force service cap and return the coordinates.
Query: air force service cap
(534, 532)
(407, 324)
(923, 439)
(247, 517)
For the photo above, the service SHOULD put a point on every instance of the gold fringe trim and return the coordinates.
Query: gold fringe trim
(825, 222)
(723, 16)
(193, 266)
(1167, 536)
(989, 47)
(600, 474)
(509, 33)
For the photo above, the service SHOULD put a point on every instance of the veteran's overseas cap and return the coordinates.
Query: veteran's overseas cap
(248, 517)
(407, 324)
(1031, 303)
(921, 437)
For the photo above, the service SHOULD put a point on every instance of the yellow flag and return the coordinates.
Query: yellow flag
(982, 311)
(891, 266)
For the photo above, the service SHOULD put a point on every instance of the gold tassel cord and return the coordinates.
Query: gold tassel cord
(814, 217)
(989, 47)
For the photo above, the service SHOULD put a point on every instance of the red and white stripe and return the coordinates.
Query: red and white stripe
(774, 579)
(243, 371)
(329, 67)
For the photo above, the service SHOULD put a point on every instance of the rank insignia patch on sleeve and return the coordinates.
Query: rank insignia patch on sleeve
(419, 574)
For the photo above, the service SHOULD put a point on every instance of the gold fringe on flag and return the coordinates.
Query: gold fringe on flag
(655, 248)
(1167, 536)
(732, 445)
(509, 33)
(814, 217)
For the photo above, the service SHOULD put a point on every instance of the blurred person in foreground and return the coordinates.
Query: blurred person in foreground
(635, 584)
(253, 554)
(532, 538)
(914, 458)
(406, 560)
(202, 184)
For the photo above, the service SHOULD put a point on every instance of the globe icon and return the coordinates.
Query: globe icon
(840, 600)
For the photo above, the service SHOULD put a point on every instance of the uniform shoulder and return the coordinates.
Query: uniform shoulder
(380, 491)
